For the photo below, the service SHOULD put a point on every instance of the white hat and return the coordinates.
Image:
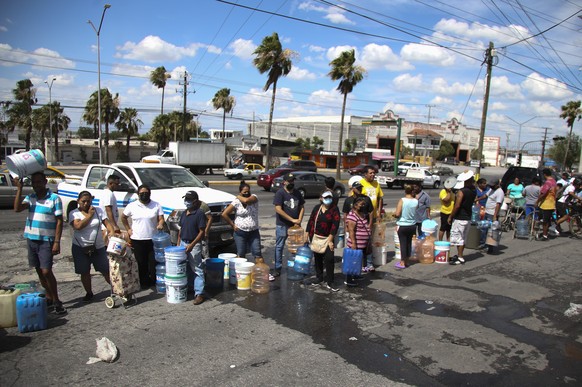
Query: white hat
(353, 179)
(462, 178)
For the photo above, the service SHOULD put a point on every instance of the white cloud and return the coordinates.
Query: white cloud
(542, 109)
(375, 56)
(154, 49)
(338, 18)
(427, 54)
(132, 70)
(440, 86)
(438, 100)
(243, 49)
(408, 83)
(3, 28)
(40, 56)
(334, 52)
(502, 87)
(477, 31)
(545, 88)
(326, 97)
(299, 74)
(498, 106)
(314, 48)
(334, 14)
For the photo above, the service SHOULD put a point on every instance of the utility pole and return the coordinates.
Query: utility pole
(489, 55)
(506, 145)
(185, 92)
(429, 108)
(541, 165)
(397, 147)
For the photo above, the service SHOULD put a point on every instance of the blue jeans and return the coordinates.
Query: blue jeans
(245, 239)
(197, 266)
(280, 239)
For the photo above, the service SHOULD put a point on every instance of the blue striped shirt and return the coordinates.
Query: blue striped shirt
(41, 222)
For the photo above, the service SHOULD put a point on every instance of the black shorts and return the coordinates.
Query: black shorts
(445, 226)
(547, 216)
(561, 209)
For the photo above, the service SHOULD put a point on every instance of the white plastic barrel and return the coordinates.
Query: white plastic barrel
(26, 163)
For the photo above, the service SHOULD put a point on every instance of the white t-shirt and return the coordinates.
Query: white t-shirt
(91, 233)
(108, 199)
(144, 218)
(565, 193)
(494, 198)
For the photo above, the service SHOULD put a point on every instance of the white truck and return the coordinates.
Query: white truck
(413, 175)
(168, 183)
(198, 157)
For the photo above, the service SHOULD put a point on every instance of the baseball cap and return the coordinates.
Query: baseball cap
(462, 178)
(191, 195)
(327, 194)
(357, 185)
(290, 177)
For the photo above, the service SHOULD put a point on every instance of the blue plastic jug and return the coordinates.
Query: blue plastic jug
(352, 262)
(303, 260)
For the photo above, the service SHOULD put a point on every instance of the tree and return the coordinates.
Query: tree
(159, 78)
(109, 114)
(349, 75)
(570, 112)
(85, 132)
(41, 123)
(20, 113)
(272, 58)
(558, 150)
(129, 125)
(350, 144)
(475, 155)
(445, 150)
(223, 100)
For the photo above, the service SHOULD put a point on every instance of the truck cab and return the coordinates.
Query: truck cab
(165, 156)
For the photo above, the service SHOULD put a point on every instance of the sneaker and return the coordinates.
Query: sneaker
(331, 288)
(454, 260)
(357, 278)
(271, 277)
(369, 268)
(350, 284)
(59, 308)
(365, 269)
(314, 282)
(461, 259)
(88, 298)
(544, 238)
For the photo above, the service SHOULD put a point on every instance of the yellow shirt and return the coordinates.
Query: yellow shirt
(446, 209)
(373, 191)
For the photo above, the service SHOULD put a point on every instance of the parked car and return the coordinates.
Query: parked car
(525, 175)
(405, 166)
(442, 171)
(359, 169)
(451, 161)
(265, 179)
(8, 189)
(247, 171)
(310, 184)
(300, 165)
(387, 165)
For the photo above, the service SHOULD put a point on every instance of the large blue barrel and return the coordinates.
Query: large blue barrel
(303, 260)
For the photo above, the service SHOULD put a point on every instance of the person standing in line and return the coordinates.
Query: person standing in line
(482, 191)
(492, 207)
(108, 201)
(88, 244)
(460, 217)
(447, 199)
(532, 193)
(192, 226)
(358, 233)
(515, 189)
(205, 241)
(43, 230)
(324, 221)
(372, 189)
(561, 206)
(330, 185)
(367, 209)
(246, 221)
(147, 216)
(547, 201)
(423, 207)
(406, 212)
(289, 210)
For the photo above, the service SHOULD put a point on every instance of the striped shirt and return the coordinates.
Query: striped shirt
(41, 222)
(362, 231)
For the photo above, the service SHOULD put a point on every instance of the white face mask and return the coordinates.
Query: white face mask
(327, 201)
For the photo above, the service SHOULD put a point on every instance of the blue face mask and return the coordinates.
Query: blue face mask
(327, 201)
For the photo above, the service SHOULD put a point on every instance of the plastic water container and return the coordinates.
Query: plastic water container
(295, 238)
(232, 277)
(243, 275)
(416, 247)
(397, 254)
(260, 277)
(116, 246)
(8, 307)
(159, 254)
(341, 240)
(475, 213)
(521, 228)
(161, 240)
(380, 255)
(429, 226)
(303, 260)
(26, 163)
(175, 260)
(441, 251)
(292, 275)
(226, 257)
(427, 250)
(352, 262)
(160, 279)
(214, 273)
(176, 288)
(474, 237)
(31, 312)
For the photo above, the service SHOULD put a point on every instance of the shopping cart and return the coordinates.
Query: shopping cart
(124, 275)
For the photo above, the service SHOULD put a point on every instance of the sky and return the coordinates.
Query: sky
(420, 56)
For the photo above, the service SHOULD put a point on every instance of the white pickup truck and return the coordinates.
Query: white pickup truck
(168, 183)
(413, 175)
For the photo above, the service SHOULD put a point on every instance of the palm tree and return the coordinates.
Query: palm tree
(159, 78)
(570, 112)
(41, 122)
(272, 58)
(20, 113)
(128, 124)
(60, 123)
(109, 114)
(343, 69)
(223, 100)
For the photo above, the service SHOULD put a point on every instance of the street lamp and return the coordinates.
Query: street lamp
(50, 87)
(520, 124)
(98, 32)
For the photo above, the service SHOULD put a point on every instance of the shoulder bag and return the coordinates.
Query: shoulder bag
(318, 243)
(89, 250)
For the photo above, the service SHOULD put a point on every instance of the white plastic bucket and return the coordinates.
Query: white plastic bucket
(380, 255)
(232, 279)
(116, 246)
(175, 265)
(226, 257)
(176, 288)
(441, 251)
(243, 275)
(397, 254)
(26, 163)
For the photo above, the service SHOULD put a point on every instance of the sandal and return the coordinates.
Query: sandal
(400, 265)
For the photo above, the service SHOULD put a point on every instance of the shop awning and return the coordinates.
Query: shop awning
(382, 156)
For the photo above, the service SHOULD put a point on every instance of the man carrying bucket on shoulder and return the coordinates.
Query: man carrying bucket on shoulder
(44, 226)
(190, 236)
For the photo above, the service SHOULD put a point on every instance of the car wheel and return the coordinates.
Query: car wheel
(389, 185)
(302, 192)
(267, 188)
(338, 192)
(436, 184)
(238, 176)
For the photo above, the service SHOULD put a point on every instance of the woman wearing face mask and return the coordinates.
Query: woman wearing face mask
(324, 221)
(146, 218)
(246, 221)
(88, 245)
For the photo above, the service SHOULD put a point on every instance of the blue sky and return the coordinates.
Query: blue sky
(416, 53)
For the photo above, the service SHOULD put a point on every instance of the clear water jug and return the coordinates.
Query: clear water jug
(260, 277)
(427, 250)
(295, 238)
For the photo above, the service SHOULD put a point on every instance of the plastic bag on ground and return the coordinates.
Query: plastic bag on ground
(106, 351)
